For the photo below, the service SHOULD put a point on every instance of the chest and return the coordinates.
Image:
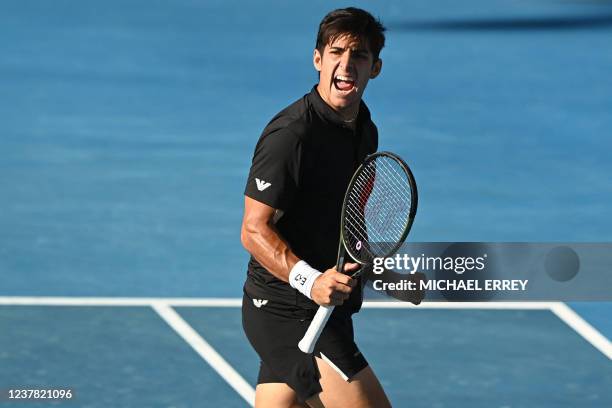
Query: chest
(329, 161)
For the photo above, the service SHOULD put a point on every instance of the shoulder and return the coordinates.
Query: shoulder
(292, 124)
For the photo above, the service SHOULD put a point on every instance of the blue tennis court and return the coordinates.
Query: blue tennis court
(127, 130)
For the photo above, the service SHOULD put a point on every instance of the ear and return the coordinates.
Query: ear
(376, 67)
(316, 60)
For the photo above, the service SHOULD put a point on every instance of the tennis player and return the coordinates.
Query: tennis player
(301, 168)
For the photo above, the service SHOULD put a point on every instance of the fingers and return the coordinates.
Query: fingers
(332, 288)
(337, 299)
(344, 279)
(343, 283)
(351, 267)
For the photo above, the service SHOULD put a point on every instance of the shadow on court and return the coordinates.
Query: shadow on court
(508, 24)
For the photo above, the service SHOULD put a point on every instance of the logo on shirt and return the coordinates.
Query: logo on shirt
(260, 302)
(262, 185)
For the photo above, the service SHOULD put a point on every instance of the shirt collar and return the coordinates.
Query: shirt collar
(331, 115)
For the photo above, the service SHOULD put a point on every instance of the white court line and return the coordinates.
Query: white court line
(236, 302)
(573, 320)
(461, 305)
(206, 351)
(561, 310)
(118, 301)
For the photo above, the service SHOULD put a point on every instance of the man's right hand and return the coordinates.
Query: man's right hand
(332, 288)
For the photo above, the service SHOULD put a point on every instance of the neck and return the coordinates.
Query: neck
(349, 115)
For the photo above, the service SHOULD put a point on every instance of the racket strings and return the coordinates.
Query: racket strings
(381, 203)
(388, 223)
(377, 210)
(393, 176)
(377, 207)
(400, 200)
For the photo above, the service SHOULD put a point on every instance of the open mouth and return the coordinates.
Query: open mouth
(344, 83)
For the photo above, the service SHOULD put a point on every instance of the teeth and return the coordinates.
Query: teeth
(344, 78)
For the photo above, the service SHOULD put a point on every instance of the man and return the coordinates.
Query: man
(302, 165)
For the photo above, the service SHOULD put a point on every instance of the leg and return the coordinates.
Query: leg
(361, 391)
(275, 340)
(275, 395)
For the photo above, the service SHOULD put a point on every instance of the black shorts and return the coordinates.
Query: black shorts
(274, 330)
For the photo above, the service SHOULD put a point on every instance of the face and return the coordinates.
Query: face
(345, 67)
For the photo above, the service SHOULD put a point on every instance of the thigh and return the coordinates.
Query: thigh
(276, 395)
(275, 340)
(362, 390)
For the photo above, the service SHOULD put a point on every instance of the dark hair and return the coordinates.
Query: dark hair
(354, 22)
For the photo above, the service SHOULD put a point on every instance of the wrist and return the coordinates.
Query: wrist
(302, 277)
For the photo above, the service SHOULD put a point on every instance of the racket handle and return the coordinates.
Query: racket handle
(313, 333)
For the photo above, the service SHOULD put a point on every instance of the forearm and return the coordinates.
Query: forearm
(262, 240)
(269, 249)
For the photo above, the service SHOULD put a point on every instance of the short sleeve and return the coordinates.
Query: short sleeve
(274, 174)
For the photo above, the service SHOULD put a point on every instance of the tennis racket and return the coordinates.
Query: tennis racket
(378, 210)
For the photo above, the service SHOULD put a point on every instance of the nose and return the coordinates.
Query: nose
(347, 59)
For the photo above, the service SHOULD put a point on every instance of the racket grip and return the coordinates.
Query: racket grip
(314, 330)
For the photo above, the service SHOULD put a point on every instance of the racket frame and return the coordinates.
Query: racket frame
(308, 342)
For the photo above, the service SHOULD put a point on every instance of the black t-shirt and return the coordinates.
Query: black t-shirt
(302, 165)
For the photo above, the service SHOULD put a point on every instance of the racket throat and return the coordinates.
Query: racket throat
(341, 257)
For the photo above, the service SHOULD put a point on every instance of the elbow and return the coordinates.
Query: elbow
(245, 237)
(247, 232)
